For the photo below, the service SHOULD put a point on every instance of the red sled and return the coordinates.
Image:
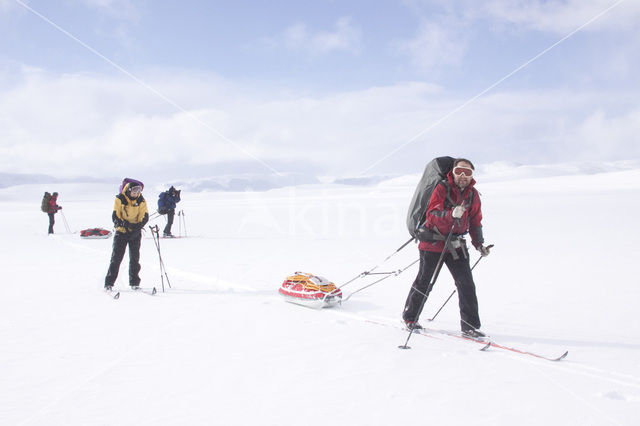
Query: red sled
(310, 290)
(95, 233)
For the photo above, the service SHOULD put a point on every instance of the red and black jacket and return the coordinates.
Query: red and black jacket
(53, 205)
(444, 198)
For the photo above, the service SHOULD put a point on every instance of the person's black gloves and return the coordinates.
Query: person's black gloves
(135, 227)
(128, 226)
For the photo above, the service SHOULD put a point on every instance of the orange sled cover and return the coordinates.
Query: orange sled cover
(310, 290)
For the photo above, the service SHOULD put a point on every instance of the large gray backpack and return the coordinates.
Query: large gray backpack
(434, 173)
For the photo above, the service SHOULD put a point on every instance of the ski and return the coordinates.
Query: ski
(559, 358)
(111, 294)
(488, 343)
(149, 291)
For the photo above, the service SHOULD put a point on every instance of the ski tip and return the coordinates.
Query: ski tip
(563, 356)
(117, 295)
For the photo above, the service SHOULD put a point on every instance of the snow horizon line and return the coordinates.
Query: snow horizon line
(242, 181)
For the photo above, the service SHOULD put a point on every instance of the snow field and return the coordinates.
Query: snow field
(221, 346)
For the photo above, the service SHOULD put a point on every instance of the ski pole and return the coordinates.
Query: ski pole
(184, 222)
(454, 290)
(163, 269)
(434, 277)
(66, 225)
(155, 232)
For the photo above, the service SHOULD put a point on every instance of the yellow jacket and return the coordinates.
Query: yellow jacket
(127, 212)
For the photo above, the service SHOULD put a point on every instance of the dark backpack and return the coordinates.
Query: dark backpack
(45, 202)
(434, 173)
(162, 203)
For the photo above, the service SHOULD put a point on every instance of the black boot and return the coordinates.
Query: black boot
(474, 333)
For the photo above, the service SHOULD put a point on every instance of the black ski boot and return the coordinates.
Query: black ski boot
(412, 325)
(474, 333)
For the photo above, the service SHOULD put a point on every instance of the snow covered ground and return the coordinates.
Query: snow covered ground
(222, 348)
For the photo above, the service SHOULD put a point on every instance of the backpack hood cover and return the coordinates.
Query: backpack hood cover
(434, 172)
(310, 290)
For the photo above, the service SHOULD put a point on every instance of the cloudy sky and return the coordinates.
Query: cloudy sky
(327, 87)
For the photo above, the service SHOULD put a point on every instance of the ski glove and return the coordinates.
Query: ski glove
(130, 227)
(136, 227)
(484, 250)
(458, 211)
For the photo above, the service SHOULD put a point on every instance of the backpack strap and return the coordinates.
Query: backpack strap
(445, 183)
(122, 199)
(450, 200)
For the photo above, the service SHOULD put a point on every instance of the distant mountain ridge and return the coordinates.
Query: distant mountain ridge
(13, 179)
(259, 182)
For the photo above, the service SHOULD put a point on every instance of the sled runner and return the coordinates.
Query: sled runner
(95, 233)
(310, 290)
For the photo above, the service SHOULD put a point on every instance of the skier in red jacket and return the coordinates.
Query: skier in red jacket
(454, 206)
(52, 210)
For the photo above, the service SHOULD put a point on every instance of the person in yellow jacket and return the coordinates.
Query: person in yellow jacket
(129, 216)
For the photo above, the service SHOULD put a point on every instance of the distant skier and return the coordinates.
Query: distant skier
(52, 209)
(129, 216)
(456, 207)
(167, 205)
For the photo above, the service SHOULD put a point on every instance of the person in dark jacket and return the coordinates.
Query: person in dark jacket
(454, 206)
(129, 216)
(52, 210)
(167, 205)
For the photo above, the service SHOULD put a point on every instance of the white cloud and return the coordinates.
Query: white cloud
(343, 37)
(448, 27)
(437, 45)
(6, 5)
(110, 5)
(560, 16)
(603, 134)
(88, 124)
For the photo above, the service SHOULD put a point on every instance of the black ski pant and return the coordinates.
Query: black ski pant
(170, 214)
(52, 220)
(461, 272)
(120, 243)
